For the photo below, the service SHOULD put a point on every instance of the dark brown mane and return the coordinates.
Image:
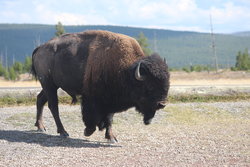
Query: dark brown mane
(109, 55)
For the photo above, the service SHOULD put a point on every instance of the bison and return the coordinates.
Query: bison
(108, 70)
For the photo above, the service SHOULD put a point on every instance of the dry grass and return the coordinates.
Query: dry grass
(177, 78)
(4, 83)
(212, 78)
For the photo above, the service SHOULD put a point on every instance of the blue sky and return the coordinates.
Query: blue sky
(228, 15)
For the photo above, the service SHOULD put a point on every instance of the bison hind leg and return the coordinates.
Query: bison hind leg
(41, 100)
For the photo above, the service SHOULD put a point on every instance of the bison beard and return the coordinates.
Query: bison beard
(108, 70)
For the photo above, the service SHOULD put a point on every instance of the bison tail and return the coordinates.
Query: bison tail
(32, 70)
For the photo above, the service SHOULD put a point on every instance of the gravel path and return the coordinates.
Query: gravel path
(189, 134)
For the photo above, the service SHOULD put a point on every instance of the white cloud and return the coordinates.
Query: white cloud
(230, 13)
(47, 15)
(246, 2)
(178, 14)
(186, 14)
(168, 12)
(77, 19)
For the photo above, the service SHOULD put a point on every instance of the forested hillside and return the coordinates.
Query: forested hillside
(180, 48)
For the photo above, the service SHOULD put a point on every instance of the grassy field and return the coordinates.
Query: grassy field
(176, 78)
(211, 78)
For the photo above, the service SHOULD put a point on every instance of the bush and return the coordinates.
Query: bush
(18, 67)
(12, 74)
(27, 64)
(6, 74)
(243, 61)
(196, 68)
(2, 70)
(186, 69)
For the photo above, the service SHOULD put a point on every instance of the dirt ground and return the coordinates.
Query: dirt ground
(177, 78)
(184, 134)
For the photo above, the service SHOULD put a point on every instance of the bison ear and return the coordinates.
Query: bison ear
(138, 75)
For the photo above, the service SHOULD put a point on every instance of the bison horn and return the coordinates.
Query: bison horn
(138, 76)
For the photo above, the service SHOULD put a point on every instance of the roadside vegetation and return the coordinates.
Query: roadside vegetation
(13, 72)
(66, 100)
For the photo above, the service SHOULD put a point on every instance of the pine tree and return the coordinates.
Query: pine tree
(2, 70)
(59, 29)
(18, 67)
(6, 74)
(243, 61)
(12, 74)
(238, 61)
(27, 64)
(143, 41)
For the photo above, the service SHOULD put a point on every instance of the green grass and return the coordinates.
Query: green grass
(27, 101)
(204, 115)
(207, 98)
(12, 101)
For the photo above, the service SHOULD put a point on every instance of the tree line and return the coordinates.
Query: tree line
(242, 61)
(13, 72)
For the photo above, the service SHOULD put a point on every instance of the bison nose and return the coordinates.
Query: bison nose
(161, 105)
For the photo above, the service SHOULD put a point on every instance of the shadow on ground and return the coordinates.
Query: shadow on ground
(46, 140)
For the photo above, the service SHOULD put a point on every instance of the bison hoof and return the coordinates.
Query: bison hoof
(113, 140)
(64, 134)
(41, 130)
(89, 131)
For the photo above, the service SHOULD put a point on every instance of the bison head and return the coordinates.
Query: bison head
(152, 85)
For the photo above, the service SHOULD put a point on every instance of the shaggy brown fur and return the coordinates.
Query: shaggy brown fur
(110, 54)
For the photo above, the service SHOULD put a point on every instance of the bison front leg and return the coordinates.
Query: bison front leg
(109, 135)
(90, 116)
(108, 124)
